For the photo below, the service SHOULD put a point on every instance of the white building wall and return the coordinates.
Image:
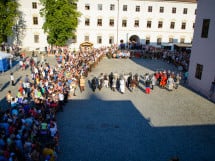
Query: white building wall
(203, 49)
(30, 29)
(118, 32)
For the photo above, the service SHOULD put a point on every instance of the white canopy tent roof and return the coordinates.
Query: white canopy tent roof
(4, 55)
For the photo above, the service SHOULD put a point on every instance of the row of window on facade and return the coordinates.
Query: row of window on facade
(136, 23)
(111, 40)
(204, 34)
(137, 8)
(147, 41)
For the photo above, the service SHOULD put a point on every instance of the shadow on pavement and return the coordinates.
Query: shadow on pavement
(5, 85)
(95, 129)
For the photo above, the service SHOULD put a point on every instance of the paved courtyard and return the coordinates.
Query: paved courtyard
(110, 126)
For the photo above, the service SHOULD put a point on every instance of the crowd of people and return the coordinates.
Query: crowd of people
(179, 58)
(28, 127)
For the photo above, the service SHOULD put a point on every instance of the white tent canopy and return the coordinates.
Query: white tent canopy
(4, 55)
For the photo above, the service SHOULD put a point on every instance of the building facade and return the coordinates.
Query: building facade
(202, 61)
(108, 22)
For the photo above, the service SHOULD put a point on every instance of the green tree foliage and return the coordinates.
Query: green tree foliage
(61, 20)
(8, 13)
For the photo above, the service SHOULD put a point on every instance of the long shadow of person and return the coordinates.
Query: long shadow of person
(5, 86)
(18, 80)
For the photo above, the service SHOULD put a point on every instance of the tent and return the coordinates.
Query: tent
(4, 61)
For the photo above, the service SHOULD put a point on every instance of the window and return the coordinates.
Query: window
(195, 11)
(149, 24)
(183, 25)
(111, 22)
(100, 7)
(182, 40)
(34, 5)
(205, 28)
(199, 69)
(136, 23)
(36, 38)
(124, 23)
(161, 9)
(99, 22)
(111, 40)
(185, 11)
(112, 7)
(125, 8)
(149, 8)
(99, 39)
(172, 25)
(159, 41)
(87, 22)
(193, 25)
(170, 40)
(87, 7)
(173, 10)
(86, 38)
(147, 40)
(160, 24)
(137, 9)
(35, 20)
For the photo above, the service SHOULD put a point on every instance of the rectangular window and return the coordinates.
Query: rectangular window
(124, 23)
(170, 40)
(35, 20)
(161, 9)
(137, 9)
(172, 25)
(205, 28)
(99, 39)
(195, 11)
(87, 22)
(173, 10)
(199, 70)
(99, 22)
(112, 7)
(185, 11)
(193, 25)
(136, 23)
(86, 38)
(147, 40)
(149, 24)
(111, 22)
(34, 5)
(100, 7)
(160, 24)
(159, 41)
(183, 25)
(36, 38)
(149, 8)
(111, 40)
(125, 8)
(87, 7)
(182, 40)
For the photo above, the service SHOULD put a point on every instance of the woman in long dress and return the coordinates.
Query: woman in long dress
(122, 85)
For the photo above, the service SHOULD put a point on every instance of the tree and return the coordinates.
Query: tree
(61, 20)
(8, 14)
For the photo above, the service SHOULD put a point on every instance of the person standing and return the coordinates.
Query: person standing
(12, 79)
(212, 90)
(9, 98)
(61, 100)
(153, 80)
(82, 84)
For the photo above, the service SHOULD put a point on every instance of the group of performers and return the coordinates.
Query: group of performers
(164, 79)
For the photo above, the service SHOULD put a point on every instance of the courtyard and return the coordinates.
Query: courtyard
(134, 126)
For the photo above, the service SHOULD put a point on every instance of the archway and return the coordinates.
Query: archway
(134, 42)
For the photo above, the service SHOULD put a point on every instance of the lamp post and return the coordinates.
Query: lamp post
(117, 30)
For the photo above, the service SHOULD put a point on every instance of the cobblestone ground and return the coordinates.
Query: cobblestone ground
(110, 126)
